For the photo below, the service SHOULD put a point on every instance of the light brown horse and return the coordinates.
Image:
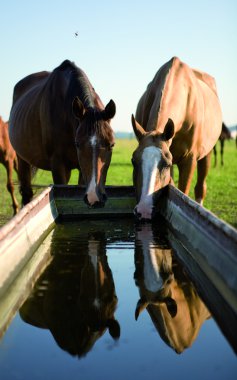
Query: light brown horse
(9, 160)
(178, 121)
(166, 292)
(225, 135)
(59, 123)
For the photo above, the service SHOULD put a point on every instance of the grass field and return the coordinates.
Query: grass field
(221, 196)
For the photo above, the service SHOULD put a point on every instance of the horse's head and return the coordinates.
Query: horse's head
(94, 142)
(152, 162)
(154, 270)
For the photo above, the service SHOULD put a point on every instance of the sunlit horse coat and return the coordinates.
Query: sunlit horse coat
(178, 121)
(170, 298)
(51, 113)
(9, 160)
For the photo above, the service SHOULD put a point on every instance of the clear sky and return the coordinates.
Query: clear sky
(120, 45)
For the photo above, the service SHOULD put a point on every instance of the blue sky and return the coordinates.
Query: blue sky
(120, 45)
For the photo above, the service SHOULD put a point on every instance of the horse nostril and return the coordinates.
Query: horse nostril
(137, 214)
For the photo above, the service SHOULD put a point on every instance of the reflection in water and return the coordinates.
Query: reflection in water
(75, 296)
(169, 296)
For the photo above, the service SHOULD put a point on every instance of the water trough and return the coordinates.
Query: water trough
(206, 245)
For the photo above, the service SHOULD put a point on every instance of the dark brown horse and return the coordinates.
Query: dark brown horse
(9, 160)
(178, 121)
(59, 123)
(225, 135)
(77, 300)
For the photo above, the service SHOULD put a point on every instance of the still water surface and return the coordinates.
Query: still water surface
(114, 303)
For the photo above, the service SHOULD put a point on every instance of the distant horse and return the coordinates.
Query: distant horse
(178, 121)
(9, 160)
(168, 295)
(58, 123)
(225, 135)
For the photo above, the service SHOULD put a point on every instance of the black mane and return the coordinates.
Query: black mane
(81, 87)
(79, 84)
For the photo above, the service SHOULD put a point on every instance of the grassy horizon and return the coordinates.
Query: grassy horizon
(221, 196)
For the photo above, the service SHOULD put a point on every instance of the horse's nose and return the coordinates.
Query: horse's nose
(97, 202)
(137, 214)
(142, 216)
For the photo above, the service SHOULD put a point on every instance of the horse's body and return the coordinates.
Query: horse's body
(51, 113)
(174, 305)
(178, 121)
(8, 159)
(225, 135)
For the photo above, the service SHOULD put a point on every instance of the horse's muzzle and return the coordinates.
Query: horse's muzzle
(97, 204)
(141, 218)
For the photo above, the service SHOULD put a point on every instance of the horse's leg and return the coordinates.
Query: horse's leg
(203, 166)
(10, 186)
(186, 170)
(214, 151)
(24, 177)
(61, 174)
(222, 151)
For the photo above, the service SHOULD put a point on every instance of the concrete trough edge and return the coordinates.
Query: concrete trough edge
(210, 242)
(23, 234)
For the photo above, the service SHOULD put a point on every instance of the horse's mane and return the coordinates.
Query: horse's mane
(81, 87)
(79, 83)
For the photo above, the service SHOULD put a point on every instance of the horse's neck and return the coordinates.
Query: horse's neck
(171, 96)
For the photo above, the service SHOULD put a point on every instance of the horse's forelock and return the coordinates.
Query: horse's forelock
(95, 125)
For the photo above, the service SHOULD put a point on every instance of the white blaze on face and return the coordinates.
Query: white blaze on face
(150, 159)
(91, 190)
(93, 250)
(152, 279)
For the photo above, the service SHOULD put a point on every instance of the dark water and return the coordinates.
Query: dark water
(114, 303)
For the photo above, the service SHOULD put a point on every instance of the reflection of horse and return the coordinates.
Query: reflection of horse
(9, 160)
(178, 121)
(52, 112)
(170, 298)
(225, 135)
(75, 296)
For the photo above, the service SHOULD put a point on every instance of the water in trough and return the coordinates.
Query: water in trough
(113, 302)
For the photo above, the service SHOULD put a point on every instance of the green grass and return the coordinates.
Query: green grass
(221, 196)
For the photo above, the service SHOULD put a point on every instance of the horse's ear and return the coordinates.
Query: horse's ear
(114, 328)
(77, 108)
(138, 130)
(169, 130)
(109, 110)
(141, 305)
(171, 306)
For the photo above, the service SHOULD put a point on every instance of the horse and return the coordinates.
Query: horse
(75, 296)
(225, 135)
(177, 121)
(9, 160)
(59, 123)
(166, 292)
